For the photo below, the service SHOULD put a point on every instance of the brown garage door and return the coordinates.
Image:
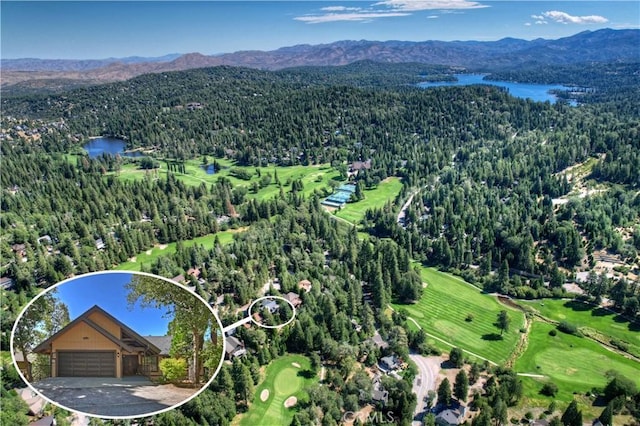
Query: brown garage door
(87, 364)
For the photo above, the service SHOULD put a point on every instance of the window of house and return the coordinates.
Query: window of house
(151, 362)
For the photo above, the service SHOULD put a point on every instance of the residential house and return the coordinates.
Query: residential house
(34, 401)
(305, 285)
(378, 392)
(389, 363)
(452, 416)
(96, 344)
(179, 279)
(100, 245)
(379, 341)
(6, 283)
(293, 298)
(195, 272)
(271, 305)
(233, 347)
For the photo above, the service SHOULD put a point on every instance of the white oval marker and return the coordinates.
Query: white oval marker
(249, 317)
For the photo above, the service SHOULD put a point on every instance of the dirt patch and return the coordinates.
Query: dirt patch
(133, 259)
(148, 251)
(264, 395)
(290, 402)
(296, 365)
(162, 246)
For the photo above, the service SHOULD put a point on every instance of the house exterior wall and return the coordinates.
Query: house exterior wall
(104, 322)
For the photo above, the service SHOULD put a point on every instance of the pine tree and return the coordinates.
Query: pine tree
(444, 392)
(572, 416)
(461, 386)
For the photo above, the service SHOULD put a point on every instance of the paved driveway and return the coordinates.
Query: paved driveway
(428, 368)
(111, 397)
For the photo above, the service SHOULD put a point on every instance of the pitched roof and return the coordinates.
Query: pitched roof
(448, 416)
(161, 342)
(85, 318)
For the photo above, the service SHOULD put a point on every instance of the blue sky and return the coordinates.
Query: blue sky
(100, 29)
(107, 291)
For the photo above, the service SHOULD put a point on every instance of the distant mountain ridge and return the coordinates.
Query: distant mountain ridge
(36, 64)
(606, 45)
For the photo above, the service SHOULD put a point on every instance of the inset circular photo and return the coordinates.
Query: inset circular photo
(117, 344)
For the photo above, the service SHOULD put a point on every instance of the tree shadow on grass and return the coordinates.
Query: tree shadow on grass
(307, 374)
(578, 306)
(601, 312)
(634, 326)
(491, 336)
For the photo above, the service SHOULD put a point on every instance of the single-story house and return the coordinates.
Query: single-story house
(233, 347)
(96, 344)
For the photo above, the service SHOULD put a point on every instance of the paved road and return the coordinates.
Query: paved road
(428, 368)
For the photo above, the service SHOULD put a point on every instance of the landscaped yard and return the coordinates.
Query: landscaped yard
(443, 310)
(574, 364)
(285, 377)
(584, 316)
(387, 190)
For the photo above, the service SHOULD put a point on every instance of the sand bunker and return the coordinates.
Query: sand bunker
(290, 402)
(296, 365)
(264, 395)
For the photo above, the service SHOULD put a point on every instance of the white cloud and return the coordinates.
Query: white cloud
(565, 18)
(541, 22)
(338, 8)
(432, 17)
(527, 24)
(416, 5)
(538, 17)
(358, 16)
(386, 9)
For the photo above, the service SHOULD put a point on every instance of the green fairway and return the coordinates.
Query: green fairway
(444, 307)
(148, 257)
(605, 323)
(574, 364)
(314, 177)
(283, 379)
(386, 191)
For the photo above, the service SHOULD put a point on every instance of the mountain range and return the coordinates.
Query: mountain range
(605, 45)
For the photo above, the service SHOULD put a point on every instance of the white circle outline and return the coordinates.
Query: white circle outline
(293, 308)
(100, 416)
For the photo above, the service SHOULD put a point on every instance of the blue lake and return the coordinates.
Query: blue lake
(111, 146)
(535, 92)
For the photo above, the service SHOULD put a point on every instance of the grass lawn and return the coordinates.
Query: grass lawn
(315, 177)
(574, 364)
(148, 257)
(387, 190)
(444, 307)
(590, 320)
(283, 380)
